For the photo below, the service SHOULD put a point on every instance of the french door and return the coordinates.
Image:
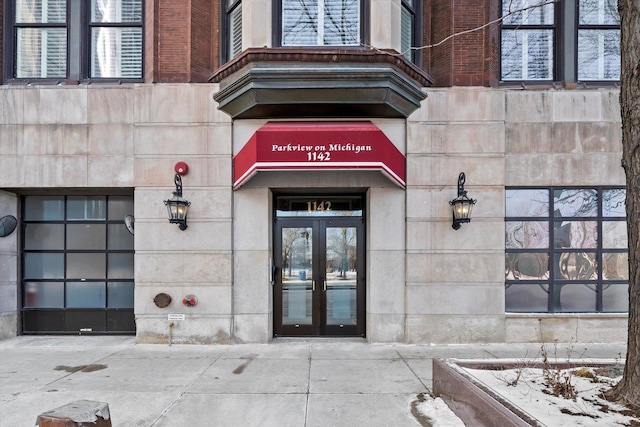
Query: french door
(319, 287)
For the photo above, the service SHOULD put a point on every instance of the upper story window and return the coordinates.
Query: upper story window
(528, 41)
(41, 39)
(75, 39)
(567, 41)
(116, 38)
(233, 24)
(320, 22)
(410, 29)
(598, 40)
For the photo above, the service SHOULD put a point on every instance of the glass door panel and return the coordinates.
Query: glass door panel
(318, 275)
(341, 275)
(297, 276)
(319, 286)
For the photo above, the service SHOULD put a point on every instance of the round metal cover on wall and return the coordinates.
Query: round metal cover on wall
(7, 225)
(162, 300)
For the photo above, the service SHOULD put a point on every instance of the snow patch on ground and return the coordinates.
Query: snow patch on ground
(438, 414)
(527, 392)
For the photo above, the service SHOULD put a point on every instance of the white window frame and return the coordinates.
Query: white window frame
(355, 39)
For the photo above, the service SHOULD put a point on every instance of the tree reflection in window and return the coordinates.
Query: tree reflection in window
(598, 40)
(341, 250)
(320, 22)
(532, 32)
(571, 244)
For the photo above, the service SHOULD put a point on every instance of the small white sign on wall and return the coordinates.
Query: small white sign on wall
(174, 316)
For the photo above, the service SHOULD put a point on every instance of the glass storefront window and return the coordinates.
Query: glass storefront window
(44, 236)
(91, 207)
(527, 298)
(86, 236)
(575, 203)
(86, 295)
(43, 208)
(613, 203)
(86, 265)
(564, 248)
(119, 237)
(77, 252)
(120, 266)
(615, 299)
(527, 234)
(119, 207)
(44, 294)
(42, 265)
(527, 203)
(120, 295)
(575, 298)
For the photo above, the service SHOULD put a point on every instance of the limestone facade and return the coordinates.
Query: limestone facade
(425, 282)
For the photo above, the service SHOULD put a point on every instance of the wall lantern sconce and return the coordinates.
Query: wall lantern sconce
(177, 207)
(461, 205)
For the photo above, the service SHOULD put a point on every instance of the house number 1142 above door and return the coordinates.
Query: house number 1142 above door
(315, 205)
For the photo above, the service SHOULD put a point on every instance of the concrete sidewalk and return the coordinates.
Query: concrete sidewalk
(298, 383)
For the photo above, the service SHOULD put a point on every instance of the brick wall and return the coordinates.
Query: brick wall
(183, 41)
(426, 34)
(468, 48)
(469, 58)
(441, 55)
(202, 32)
(492, 44)
(172, 40)
(186, 40)
(215, 36)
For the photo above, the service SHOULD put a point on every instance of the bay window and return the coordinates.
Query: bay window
(320, 22)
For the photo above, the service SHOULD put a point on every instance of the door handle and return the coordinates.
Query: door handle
(324, 285)
(313, 286)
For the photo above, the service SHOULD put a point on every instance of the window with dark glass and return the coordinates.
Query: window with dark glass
(75, 39)
(77, 252)
(544, 40)
(566, 250)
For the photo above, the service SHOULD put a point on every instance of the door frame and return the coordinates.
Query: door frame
(319, 224)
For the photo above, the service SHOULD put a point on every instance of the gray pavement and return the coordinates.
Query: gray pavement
(298, 383)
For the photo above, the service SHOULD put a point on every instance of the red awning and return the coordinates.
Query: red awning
(281, 146)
